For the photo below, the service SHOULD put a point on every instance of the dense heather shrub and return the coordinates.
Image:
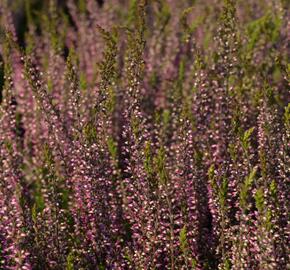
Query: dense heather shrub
(144, 134)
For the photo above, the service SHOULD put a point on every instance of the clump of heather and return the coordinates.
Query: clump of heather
(144, 134)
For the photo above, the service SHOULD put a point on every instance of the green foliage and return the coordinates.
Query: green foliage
(222, 193)
(229, 10)
(90, 133)
(211, 176)
(245, 188)
(9, 146)
(273, 189)
(136, 45)
(132, 12)
(47, 154)
(287, 116)
(183, 240)
(187, 29)
(227, 265)
(166, 117)
(1, 77)
(233, 152)
(39, 203)
(266, 214)
(108, 65)
(268, 27)
(136, 125)
(160, 164)
(245, 138)
(112, 146)
(164, 15)
(70, 261)
(259, 199)
(148, 162)
(83, 81)
(82, 6)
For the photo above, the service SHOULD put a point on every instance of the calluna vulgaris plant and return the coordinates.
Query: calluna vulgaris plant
(142, 134)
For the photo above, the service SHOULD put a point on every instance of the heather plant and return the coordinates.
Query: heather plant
(144, 134)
